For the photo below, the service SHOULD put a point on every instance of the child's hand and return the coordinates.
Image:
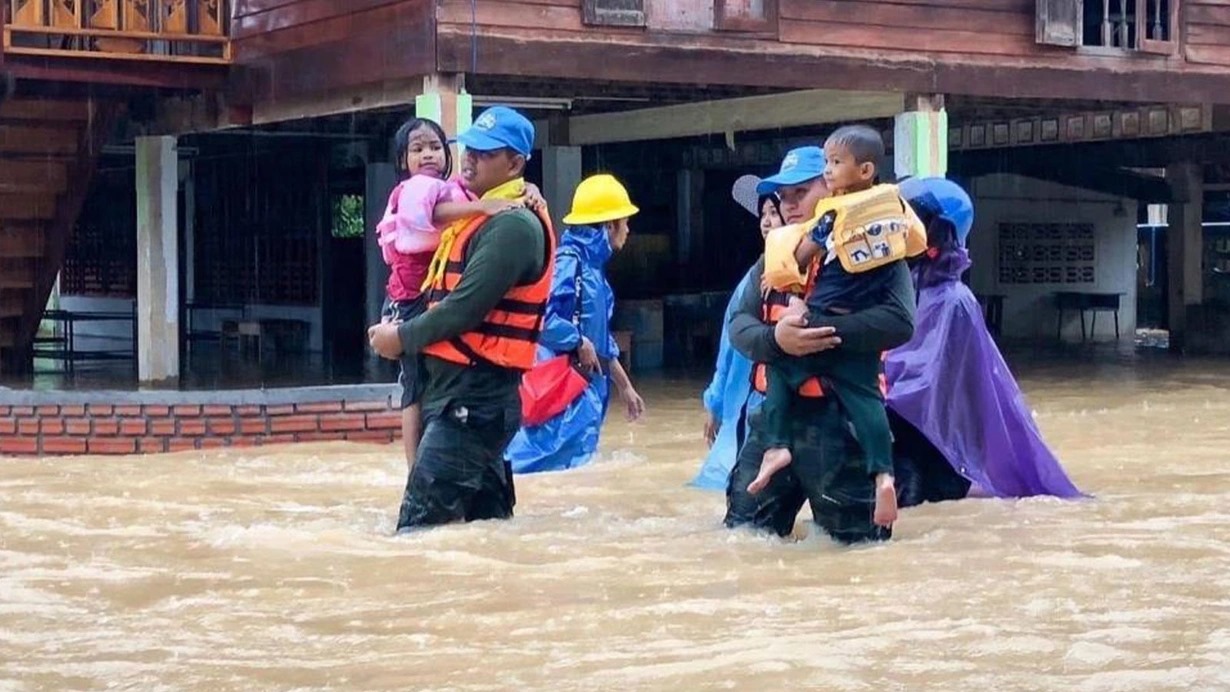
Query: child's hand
(533, 197)
(491, 207)
(796, 307)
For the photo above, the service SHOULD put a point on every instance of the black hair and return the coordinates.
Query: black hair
(401, 144)
(941, 233)
(864, 143)
(772, 200)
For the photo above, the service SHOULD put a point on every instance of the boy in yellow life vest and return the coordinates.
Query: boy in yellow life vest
(840, 260)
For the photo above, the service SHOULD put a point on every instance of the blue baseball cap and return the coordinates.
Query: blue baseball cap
(799, 166)
(499, 127)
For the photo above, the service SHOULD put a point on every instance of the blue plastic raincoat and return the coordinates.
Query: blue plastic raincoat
(724, 398)
(570, 439)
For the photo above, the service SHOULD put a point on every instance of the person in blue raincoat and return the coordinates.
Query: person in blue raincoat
(729, 396)
(578, 321)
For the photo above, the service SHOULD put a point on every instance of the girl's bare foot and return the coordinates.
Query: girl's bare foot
(774, 460)
(886, 500)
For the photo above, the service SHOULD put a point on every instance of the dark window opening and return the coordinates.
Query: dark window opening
(1135, 25)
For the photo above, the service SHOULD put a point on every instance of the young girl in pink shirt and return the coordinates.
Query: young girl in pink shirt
(423, 203)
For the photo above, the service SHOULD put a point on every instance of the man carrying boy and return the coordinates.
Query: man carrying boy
(828, 468)
(842, 260)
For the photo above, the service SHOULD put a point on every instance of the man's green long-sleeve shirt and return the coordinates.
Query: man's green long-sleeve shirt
(509, 250)
(881, 328)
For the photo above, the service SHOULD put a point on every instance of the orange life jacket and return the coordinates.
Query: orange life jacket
(508, 335)
(774, 304)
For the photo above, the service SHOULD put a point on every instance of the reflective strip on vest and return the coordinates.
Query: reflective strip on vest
(508, 335)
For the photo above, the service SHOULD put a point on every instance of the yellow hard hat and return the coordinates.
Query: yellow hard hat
(598, 199)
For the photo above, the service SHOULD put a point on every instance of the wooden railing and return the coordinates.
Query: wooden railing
(1146, 26)
(1133, 24)
(193, 31)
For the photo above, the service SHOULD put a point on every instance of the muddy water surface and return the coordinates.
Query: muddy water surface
(275, 568)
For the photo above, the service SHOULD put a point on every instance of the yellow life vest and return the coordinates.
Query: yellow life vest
(872, 228)
(781, 269)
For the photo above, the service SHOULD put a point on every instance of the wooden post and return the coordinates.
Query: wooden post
(157, 183)
(1184, 248)
(920, 137)
(690, 218)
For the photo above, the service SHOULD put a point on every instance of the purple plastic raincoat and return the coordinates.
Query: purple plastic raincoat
(952, 384)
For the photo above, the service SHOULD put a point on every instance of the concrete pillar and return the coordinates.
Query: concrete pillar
(381, 178)
(157, 259)
(445, 100)
(1184, 248)
(561, 173)
(920, 137)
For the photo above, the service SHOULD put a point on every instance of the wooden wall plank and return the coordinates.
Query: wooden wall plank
(27, 207)
(243, 8)
(12, 304)
(1208, 55)
(17, 273)
(1208, 35)
(1009, 20)
(574, 4)
(38, 140)
(299, 13)
(1205, 13)
(709, 60)
(18, 239)
(906, 29)
(905, 41)
(355, 27)
(42, 109)
(513, 14)
(32, 176)
(386, 41)
(134, 75)
(953, 14)
(975, 21)
(1207, 38)
(796, 9)
(954, 26)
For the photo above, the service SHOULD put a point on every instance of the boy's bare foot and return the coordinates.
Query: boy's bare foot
(774, 460)
(886, 501)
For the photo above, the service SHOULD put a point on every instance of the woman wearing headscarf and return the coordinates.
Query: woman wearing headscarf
(960, 423)
(729, 395)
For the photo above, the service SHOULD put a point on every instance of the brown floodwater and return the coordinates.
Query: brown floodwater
(275, 568)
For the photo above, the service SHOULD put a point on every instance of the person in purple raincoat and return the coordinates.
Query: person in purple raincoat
(960, 423)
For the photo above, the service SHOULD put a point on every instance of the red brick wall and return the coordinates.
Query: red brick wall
(132, 429)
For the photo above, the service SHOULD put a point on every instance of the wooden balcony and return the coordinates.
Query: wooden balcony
(162, 31)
